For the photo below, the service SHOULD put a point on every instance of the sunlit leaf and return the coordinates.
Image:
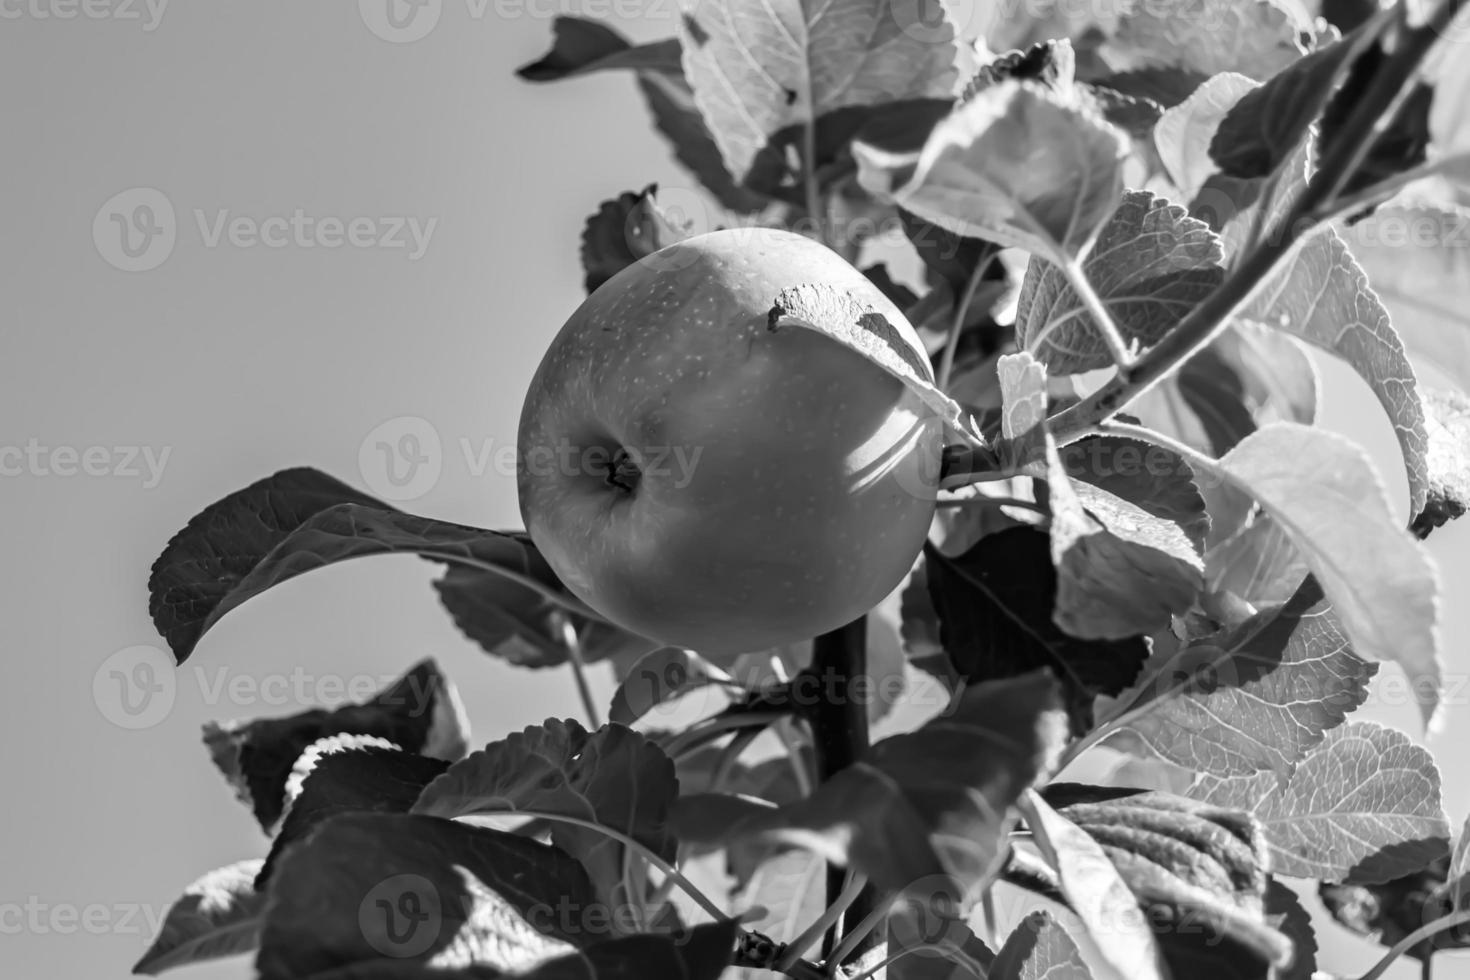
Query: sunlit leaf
(1016, 165)
(1257, 38)
(1039, 949)
(1184, 133)
(1151, 265)
(758, 70)
(218, 915)
(1363, 807)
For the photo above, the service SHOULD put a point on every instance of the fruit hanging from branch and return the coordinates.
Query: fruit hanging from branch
(707, 481)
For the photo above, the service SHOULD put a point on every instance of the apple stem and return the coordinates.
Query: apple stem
(839, 723)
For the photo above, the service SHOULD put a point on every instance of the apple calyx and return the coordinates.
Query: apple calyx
(623, 472)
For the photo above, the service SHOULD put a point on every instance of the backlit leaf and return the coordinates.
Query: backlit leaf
(1039, 949)
(1151, 265)
(1322, 296)
(1363, 807)
(1016, 165)
(1257, 38)
(660, 677)
(1184, 133)
(756, 70)
(1257, 697)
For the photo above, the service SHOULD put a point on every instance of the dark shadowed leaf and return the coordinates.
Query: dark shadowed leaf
(1197, 870)
(758, 70)
(926, 810)
(1386, 913)
(522, 626)
(420, 713)
(1417, 258)
(952, 257)
(1265, 126)
(1322, 296)
(624, 230)
(613, 778)
(1151, 265)
(1039, 949)
(1051, 64)
(431, 885)
(900, 295)
(1167, 86)
(1156, 480)
(1285, 913)
(1255, 697)
(1121, 571)
(1184, 132)
(1096, 891)
(670, 102)
(1016, 165)
(218, 915)
(995, 604)
(1401, 146)
(346, 774)
(580, 46)
(1363, 807)
(299, 520)
(1257, 38)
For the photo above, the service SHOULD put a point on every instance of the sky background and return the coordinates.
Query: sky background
(238, 360)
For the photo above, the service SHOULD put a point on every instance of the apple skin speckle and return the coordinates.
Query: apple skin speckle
(788, 483)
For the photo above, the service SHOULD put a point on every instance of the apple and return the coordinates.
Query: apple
(708, 482)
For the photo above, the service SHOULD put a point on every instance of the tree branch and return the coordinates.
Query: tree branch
(839, 723)
(1316, 203)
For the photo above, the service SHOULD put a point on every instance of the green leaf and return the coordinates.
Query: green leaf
(580, 47)
(1285, 912)
(660, 677)
(1095, 891)
(346, 774)
(1039, 949)
(1257, 38)
(1262, 130)
(1198, 871)
(1023, 408)
(1151, 265)
(1381, 583)
(432, 887)
(1185, 133)
(1121, 571)
(624, 230)
(784, 895)
(1447, 418)
(523, 626)
(612, 778)
(1363, 807)
(218, 915)
(758, 70)
(1394, 150)
(1417, 258)
(995, 605)
(1322, 296)
(1016, 165)
(298, 520)
(927, 810)
(1258, 564)
(1259, 696)
(1154, 479)
(420, 713)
